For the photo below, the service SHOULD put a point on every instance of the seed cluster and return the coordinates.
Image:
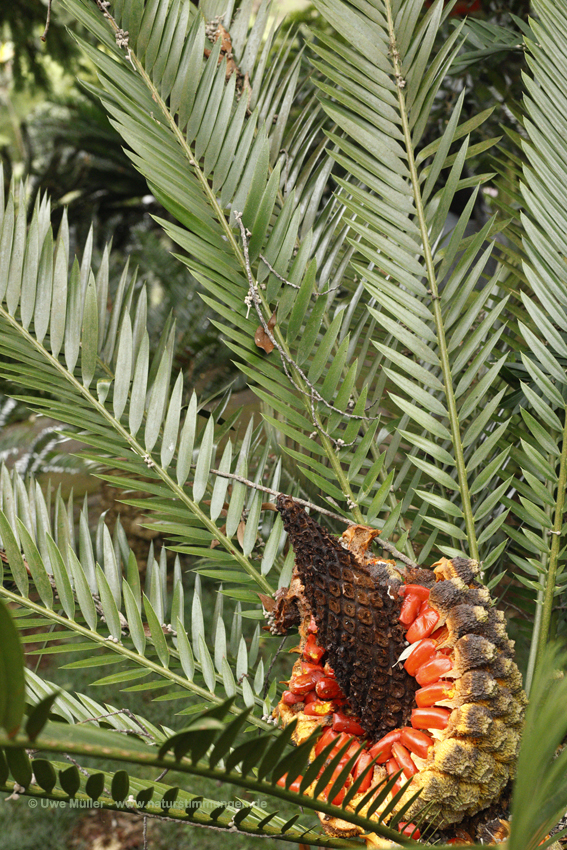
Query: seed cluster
(418, 670)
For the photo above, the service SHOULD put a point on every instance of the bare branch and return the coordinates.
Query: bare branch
(47, 21)
(269, 670)
(129, 714)
(384, 544)
(253, 299)
(271, 492)
(294, 285)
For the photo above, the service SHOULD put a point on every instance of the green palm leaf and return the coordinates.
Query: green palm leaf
(448, 402)
(103, 611)
(256, 768)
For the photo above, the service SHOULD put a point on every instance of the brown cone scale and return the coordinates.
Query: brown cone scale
(356, 608)
(349, 603)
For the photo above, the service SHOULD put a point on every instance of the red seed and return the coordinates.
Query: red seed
(312, 652)
(348, 781)
(417, 742)
(312, 627)
(362, 763)
(415, 590)
(430, 718)
(438, 691)
(305, 682)
(353, 749)
(338, 769)
(338, 799)
(329, 670)
(328, 689)
(340, 739)
(409, 829)
(423, 652)
(309, 666)
(384, 746)
(316, 708)
(294, 785)
(354, 746)
(441, 634)
(410, 609)
(310, 697)
(291, 699)
(423, 626)
(325, 739)
(433, 669)
(404, 759)
(392, 767)
(342, 723)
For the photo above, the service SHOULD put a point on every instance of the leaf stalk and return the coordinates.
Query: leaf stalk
(435, 297)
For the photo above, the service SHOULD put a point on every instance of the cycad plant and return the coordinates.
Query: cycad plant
(408, 379)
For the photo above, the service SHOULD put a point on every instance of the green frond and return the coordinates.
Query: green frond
(99, 379)
(205, 747)
(449, 388)
(540, 457)
(538, 801)
(249, 175)
(107, 620)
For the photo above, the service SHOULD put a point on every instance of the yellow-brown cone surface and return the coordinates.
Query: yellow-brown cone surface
(448, 713)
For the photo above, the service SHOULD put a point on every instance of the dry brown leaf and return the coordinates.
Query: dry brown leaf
(262, 339)
(267, 601)
(215, 543)
(226, 51)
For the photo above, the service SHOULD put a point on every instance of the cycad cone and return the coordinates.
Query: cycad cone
(475, 725)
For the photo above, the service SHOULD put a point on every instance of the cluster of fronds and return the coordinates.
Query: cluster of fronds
(310, 206)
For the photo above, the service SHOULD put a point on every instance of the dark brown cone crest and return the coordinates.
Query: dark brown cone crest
(356, 608)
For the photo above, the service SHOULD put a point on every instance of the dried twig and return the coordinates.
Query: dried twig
(77, 765)
(295, 285)
(272, 662)
(271, 492)
(253, 299)
(129, 714)
(339, 443)
(121, 36)
(47, 21)
(384, 544)
(83, 771)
